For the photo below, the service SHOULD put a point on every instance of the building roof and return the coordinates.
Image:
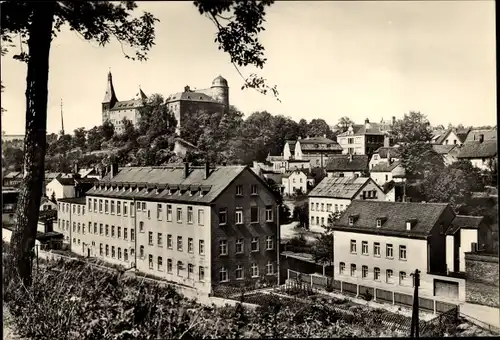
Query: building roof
(339, 187)
(297, 172)
(443, 149)
(478, 150)
(489, 134)
(12, 175)
(464, 222)
(73, 200)
(190, 96)
(395, 214)
(66, 181)
(363, 129)
(154, 183)
(47, 215)
(128, 105)
(275, 158)
(275, 177)
(343, 163)
(460, 133)
(383, 151)
(385, 166)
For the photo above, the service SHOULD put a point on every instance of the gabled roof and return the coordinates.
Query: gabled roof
(66, 181)
(343, 163)
(444, 149)
(317, 139)
(384, 150)
(395, 214)
(361, 130)
(385, 166)
(489, 134)
(485, 149)
(297, 172)
(12, 175)
(339, 187)
(275, 158)
(275, 177)
(464, 222)
(165, 177)
(460, 133)
(190, 96)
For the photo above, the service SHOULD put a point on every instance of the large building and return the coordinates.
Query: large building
(196, 226)
(213, 99)
(364, 139)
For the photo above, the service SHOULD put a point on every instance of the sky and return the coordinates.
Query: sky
(328, 59)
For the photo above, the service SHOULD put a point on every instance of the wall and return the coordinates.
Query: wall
(467, 236)
(343, 173)
(116, 117)
(450, 252)
(61, 191)
(452, 139)
(482, 272)
(321, 207)
(295, 181)
(72, 217)
(357, 145)
(287, 153)
(231, 232)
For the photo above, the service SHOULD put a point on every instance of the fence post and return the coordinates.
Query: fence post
(341, 288)
(357, 290)
(311, 281)
(393, 301)
(434, 302)
(374, 294)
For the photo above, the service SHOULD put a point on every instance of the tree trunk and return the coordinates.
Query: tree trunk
(28, 205)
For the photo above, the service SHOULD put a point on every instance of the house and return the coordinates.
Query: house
(72, 222)
(202, 227)
(46, 204)
(452, 137)
(12, 179)
(294, 182)
(388, 171)
(394, 191)
(448, 152)
(280, 164)
(347, 165)
(436, 134)
(382, 154)
(475, 135)
(182, 147)
(63, 187)
(481, 153)
(334, 194)
(315, 150)
(378, 245)
(363, 139)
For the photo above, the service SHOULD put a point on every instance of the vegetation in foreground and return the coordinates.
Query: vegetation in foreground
(72, 300)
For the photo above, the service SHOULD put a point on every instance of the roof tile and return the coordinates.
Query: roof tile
(339, 187)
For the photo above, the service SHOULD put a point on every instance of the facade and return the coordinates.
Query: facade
(477, 135)
(382, 154)
(482, 271)
(364, 139)
(388, 171)
(280, 164)
(194, 226)
(12, 179)
(452, 137)
(315, 150)
(379, 244)
(448, 152)
(46, 204)
(293, 182)
(72, 222)
(481, 153)
(63, 187)
(334, 194)
(347, 165)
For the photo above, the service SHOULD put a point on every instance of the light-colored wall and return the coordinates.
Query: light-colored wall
(48, 205)
(321, 207)
(298, 151)
(376, 159)
(452, 139)
(287, 154)
(358, 144)
(343, 173)
(467, 236)
(116, 117)
(480, 163)
(7, 234)
(290, 186)
(69, 213)
(60, 191)
(450, 252)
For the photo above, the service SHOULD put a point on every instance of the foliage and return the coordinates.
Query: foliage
(343, 124)
(319, 127)
(419, 159)
(414, 127)
(301, 214)
(12, 158)
(322, 249)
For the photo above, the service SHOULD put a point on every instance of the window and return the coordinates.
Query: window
(322, 206)
(113, 207)
(125, 207)
(101, 249)
(269, 243)
(201, 216)
(100, 229)
(169, 241)
(125, 255)
(106, 206)
(95, 228)
(329, 207)
(254, 189)
(270, 268)
(169, 266)
(255, 244)
(364, 248)
(107, 250)
(74, 227)
(223, 274)
(376, 274)
(190, 271)
(239, 217)
(353, 270)
(190, 245)
(389, 275)
(160, 263)
(119, 253)
(150, 238)
(312, 219)
(132, 209)
(118, 208)
(312, 206)
(141, 226)
(150, 261)
(179, 215)
(223, 247)
(222, 216)
(341, 268)
(364, 272)
(317, 220)
(388, 251)
(169, 213)
(100, 206)
(402, 253)
(376, 249)
(353, 246)
(112, 231)
(94, 204)
(239, 190)
(254, 214)
(351, 221)
(158, 213)
(239, 272)
(201, 246)
(160, 239)
(179, 243)
(190, 215)
(143, 206)
(125, 234)
(141, 252)
(119, 230)
(317, 206)
(79, 227)
(322, 221)
(379, 222)
(138, 206)
(269, 214)
(239, 246)
(201, 273)
(255, 270)
(107, 230)
(402, 278)
(132, 234)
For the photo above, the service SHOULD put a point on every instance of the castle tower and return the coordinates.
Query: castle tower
(109, 98)
(220, 91)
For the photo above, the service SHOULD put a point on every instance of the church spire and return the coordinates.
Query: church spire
(62, 120)
(110, 96)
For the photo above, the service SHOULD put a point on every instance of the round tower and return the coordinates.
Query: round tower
(220, 91)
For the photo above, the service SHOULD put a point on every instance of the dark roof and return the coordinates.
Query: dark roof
(342, 163)
(339, 187)
(460, 133)
(388, 186)
(148, 179)
(361, 129)
(47, 215)
(66, 181)
(275, 158)
(478, 150)
(385, 167)
(466, 222)
(12, 174)
(86, 180)
(395, 214)
(489, 134)
(190, 96)
(384, 150)
(127, 105)
(275, 177)
(51, 234)
(289, 173)
(73, 200)
(443, 149)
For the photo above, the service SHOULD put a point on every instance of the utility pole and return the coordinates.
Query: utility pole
(414, 318)
(62, 121)
(278, 241)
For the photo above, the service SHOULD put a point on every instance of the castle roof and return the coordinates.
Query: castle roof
(220, 81)
(110, 96)
(190, 96)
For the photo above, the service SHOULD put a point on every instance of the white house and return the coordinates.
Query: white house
(387, 171)
(334, 194)
(364, 139)
(315, 150)
(382, 154)
(482, 153)
(61, 188)
(293, 182)
(452, 137)
(46, 204)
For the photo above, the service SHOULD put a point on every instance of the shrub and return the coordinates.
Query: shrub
(329, 288)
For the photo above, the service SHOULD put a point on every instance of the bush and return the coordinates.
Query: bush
(329, 288)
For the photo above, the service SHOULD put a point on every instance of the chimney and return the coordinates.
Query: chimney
(113, 169)
(389, 160)
(473, 247)
(481, 138)
(367, 123)
(324, 136)
(186, 169)
(387, 142)
(393, 120)
(207, 170)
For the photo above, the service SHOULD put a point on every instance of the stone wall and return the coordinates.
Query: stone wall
(482, 286)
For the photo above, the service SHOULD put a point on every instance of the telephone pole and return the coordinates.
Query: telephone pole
(414, 318)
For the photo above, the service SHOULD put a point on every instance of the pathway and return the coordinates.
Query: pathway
(484, 316)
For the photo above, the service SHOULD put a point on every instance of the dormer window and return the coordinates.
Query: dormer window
(410, 223)
(380, 221)
(169, 191)
(351, 220)
(201, 193)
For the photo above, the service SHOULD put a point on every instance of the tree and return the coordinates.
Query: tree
(414, 127)
(13, 158)
(38, 23)
(94, 139)
(323, 248)
(319, 127)
(302, 128)
(419, 159)
(53, 197)
(343, 124)
(301, 214)
(79, 138)
(107, 130)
